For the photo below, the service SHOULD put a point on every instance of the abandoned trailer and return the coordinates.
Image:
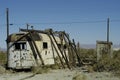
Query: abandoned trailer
(30, 48)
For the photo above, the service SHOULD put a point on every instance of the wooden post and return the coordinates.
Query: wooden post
(61, 36)
(56, 50)
(78, 57)
(7, 20)
(70, 50)
(66, 61)
(79, 60)
(108, 44)
(108, 30)
(36, 48)
(33, 51)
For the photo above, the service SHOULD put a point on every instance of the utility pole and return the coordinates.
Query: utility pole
(7, 18)
(108, 30)
(108, 44)
(7, 21)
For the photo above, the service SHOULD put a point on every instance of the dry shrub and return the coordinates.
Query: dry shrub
(2, 62)
(52, 66)
(109, 64)
(40, 70)
(3, 58)
(79, 77)
(45, 68)
(55, 66)
(2, 70)
(90, 69)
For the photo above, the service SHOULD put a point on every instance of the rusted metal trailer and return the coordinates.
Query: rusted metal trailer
(32, 48)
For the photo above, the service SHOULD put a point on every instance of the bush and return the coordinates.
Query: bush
(40, 70)
(55, 66)
(87, 53)
(109, 64)
(79, 77)
(3, 58)
(106, 63)
(2, 70)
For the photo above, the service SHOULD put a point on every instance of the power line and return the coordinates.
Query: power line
(74, 22)
(114, 20)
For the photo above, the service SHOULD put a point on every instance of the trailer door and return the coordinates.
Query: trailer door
(24, 57)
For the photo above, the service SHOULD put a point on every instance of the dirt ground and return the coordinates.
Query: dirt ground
(60, 74)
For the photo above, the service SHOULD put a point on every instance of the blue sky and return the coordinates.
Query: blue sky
(84, 20)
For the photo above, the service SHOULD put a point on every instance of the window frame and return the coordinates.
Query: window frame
(20, 46)
(45, 45)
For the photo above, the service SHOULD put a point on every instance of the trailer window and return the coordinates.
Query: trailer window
(45, 45)
(17, 46)
(23, 46)
(20, 46)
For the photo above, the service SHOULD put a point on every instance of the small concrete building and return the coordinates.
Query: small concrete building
(26, 52)
(104, 47)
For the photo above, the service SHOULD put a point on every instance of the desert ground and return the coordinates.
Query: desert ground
(59, 74)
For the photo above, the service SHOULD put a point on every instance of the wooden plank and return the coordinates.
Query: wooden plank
(79, 60)
(36, 48)
(56, 51)
(70, 52)
(61, 36)
(18, 40)
(66, 61)
(34, 52)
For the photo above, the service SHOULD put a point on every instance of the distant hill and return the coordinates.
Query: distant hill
(93, 46)
(3, 49)
(88, 46)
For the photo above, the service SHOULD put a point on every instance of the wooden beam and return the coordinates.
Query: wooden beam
(31, 30)
(36, 48)
(18, 40)
(61, 36)
(79, 60)
(56, 50)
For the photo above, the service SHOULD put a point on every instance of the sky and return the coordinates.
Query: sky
(84, 20)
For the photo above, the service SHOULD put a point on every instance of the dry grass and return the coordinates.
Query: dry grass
(40, 70)
(106, 63)
(45, 69)
(2, 70)
(55, 66)
(3, 58)
(79, 77)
